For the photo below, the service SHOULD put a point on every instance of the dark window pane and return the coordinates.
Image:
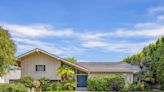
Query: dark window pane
(40, 68)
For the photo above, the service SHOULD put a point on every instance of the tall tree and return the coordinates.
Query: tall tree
(71, 59)
(160, 71)
(7, 51)
(151, 62)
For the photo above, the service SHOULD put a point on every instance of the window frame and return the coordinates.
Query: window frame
(41, 70)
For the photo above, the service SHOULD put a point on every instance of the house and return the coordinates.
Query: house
(38, 63)
(13, 75)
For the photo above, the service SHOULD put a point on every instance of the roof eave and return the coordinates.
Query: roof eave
(52, 55)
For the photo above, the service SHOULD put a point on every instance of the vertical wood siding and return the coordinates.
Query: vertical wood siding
(28, 66)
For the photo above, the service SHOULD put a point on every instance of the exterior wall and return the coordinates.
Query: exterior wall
(12, 75)
(28, 65)
(128, 76)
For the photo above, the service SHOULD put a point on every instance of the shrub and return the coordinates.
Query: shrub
(116, 83)
(44, 83)
(106, 83)
(36, 85)
(69, 85)
(14, 87)
(58, 87)
(55, 87)
(135, 87)
(66, 85)
(27, 81)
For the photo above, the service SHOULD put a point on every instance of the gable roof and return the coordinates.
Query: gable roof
(109, 66)
(53, 56)
(90, 66)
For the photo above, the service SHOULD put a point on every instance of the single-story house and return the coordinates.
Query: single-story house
(38, 63)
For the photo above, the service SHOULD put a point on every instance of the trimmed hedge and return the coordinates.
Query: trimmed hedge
(14, 87)
(106, 83)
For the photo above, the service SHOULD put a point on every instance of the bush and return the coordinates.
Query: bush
(69, 85)
(27, 81)
(15, 87)
(55, 87)
(107, 83)
(36, 85)
(116, 83)
(44, 83)
(59, 86)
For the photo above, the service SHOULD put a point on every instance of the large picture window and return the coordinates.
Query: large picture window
(40, 68)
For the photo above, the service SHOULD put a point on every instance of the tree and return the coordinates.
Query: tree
(160, 71)
(151, 61)
(72, 59)
(7, 51)
(66, 73)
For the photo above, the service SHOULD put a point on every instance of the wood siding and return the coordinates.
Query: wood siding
(28, 66)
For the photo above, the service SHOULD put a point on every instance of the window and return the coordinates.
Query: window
(40, 68)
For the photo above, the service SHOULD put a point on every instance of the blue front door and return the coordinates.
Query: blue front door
(82, 80)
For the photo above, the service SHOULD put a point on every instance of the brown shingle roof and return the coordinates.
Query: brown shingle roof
(108, 67)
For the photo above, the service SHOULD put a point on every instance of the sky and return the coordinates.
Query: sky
(88, 30)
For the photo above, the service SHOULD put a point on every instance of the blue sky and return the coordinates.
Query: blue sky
(89, 30)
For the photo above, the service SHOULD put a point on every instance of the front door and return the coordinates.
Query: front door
(82, 80)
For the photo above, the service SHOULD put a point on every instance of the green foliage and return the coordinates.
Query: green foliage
(55, 87)
(36, 85)
(58, 87)
(116, 83)
(106, 83)
(17, 87)
(44, 83)
(69, 85)
(134, 87)
(151, 62)
(66, 73)
(160, 71)
(72, 59)
(142, 86)
(7, 51)
(27, 81)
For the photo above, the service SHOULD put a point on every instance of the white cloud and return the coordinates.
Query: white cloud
(94, 44)
(145, 29)
(149, 29)
(27, 38)
(91, 36)
(149, 25)
(36, 30)
(44, 30)
(25, 44)
(157, 9)
(145, 32)
(124, 47)
(160, 18)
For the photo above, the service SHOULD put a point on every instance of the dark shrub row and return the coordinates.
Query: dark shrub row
(107, 83)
